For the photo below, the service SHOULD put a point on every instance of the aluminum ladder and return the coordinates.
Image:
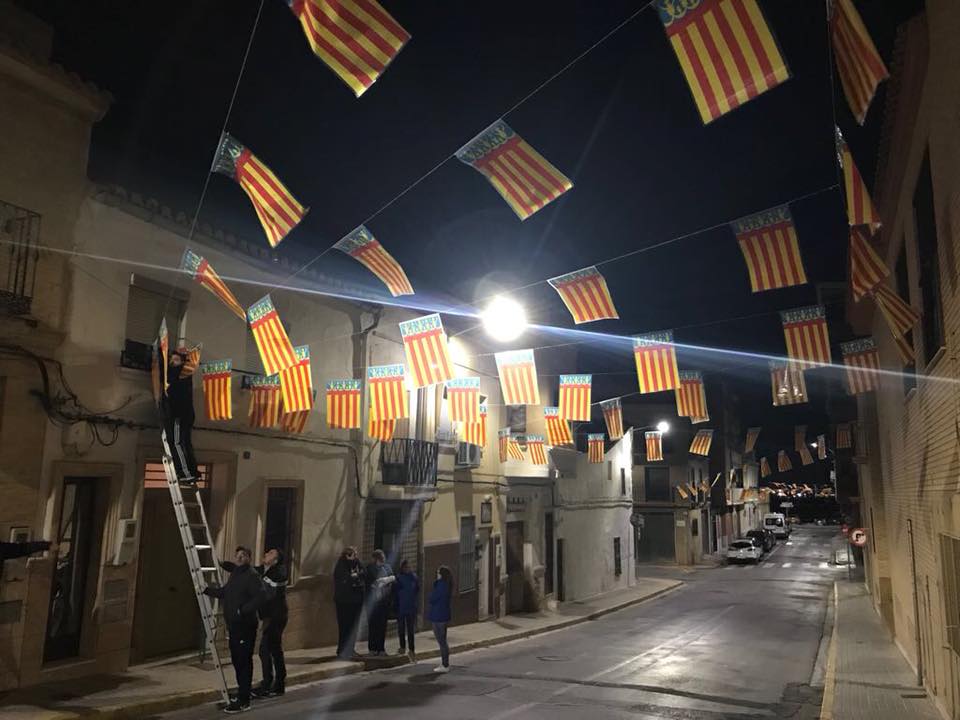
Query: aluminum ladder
(202, 561)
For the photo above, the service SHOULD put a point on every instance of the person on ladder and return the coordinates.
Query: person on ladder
(176, 408)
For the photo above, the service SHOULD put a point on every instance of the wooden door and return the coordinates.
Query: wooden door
(515, 579)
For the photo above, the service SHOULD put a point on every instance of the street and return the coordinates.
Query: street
(734, 641)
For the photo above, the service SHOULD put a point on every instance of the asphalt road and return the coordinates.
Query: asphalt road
(734, 642)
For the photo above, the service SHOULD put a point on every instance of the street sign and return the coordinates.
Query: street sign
(858, 537)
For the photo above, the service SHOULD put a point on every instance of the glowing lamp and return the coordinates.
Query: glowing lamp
(663, 426)
(504, 319)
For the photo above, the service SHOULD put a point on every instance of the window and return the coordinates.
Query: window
(694, 527)
(149, 302)
(617, 560)
(928, 261)
(468, 540)
(903, 289)
(656, 484)
(623, 481)
(950, 549)
(517, 418)
(281, 526)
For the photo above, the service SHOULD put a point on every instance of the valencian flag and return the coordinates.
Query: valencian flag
(904, 350)
(799, 437)
(476, 433)
(356, 39)
(844, 436)
(654, 441)
(613, 417)
(264, 409)
(726, 50)
(296, 382)
(363, 247)
(381, 430)
(558, 429)
(805, 457)
(701, 442)
(768, 241)
(518, 172)
(860, 209)
(783, 461)
(691, 398)
(463, 399)
(425, 344)
(518, 377)
(274, 346)
(388, 392)
(513, 448)
(503, 443)
(858, 63)
(278, 210)
(585, 294)
(867, 269)
(656, 359)
(595, 447)
(343, 404)
(863, 365)
(682, 492)
(537, 449)
(899, 315)
(822, 447)
(294, 422)
(805, 330)
(201, 271)
(787, 383)
(751, 441)
(764, 467)
(574, 399)
(216, 389)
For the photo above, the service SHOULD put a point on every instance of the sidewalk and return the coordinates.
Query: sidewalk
(867, 678)
(147, 690)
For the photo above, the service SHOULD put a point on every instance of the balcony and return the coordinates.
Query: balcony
(409, 463)
(19, 253)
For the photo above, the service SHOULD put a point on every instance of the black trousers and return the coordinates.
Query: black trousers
(348, 621)
(271, 653)
(242, 638)
(406, 628)
(179, 437)
(377, 627)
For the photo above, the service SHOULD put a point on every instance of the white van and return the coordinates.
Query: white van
(777, 523)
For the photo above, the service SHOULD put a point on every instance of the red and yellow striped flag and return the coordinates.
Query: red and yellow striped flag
(805, 330)
(475, 433)
(613, 417)
(296, 382)
(343, 404)
(425, 344)
(518, 172)
(595, 447)
(858, 63)
(463, 400)
(585, 294)
(357, 39)
(764, 467)
(513, 448)
(294, 422)
(279, 211)
(863, 365)
(518, 377)
(654, 443)
(783, 461)
(691, 397)
(799, 437)
(216, 389)
(537, 449)
(904, 350)
(388, 392)
(768, 241)
(726, 50)
(682, 492)
(900, 316)
(201, 271)
(751, 442)
(503, 443)
(701, 442)
(264, 409)
(381, 430)
(860, 209)
(276, 351)
(867, 269)
(805, 457)
(558, 429)
(363, 247)
(822, 447)
(844, 436)
(574, 399)
(787, 383)
(656, 359)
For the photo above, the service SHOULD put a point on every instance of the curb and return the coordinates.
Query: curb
(830, 679)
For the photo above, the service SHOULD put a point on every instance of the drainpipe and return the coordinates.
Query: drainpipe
(916, 604)
(361, 357)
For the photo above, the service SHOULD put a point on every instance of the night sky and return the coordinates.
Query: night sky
(621, 124)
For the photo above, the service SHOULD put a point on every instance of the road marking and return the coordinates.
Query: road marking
(789, 542)
(786, 565)
(823, 566)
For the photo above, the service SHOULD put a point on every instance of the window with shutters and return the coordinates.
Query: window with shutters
(282, 514)
(928, 262)
(517, 418)
(467, 579)
(656, 484)
(148, 303)
(950, 551)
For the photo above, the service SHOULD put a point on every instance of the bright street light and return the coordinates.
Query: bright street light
(504, 319)
(813, 445)
(663, 426)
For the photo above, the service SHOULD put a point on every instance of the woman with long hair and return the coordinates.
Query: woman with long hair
(439, 614)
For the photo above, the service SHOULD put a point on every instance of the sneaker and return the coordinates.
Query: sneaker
(412, 657)
(236, 707)
(277, 690)
(260, 692)
(402, 651)
(442, 669)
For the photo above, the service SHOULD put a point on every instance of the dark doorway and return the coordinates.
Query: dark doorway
(561, 595)
(548, 553)
(657, 538)
(515, 579)
(387, 532)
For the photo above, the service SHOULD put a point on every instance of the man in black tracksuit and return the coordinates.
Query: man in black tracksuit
(273, 613)
(242, 597)
(176, 407)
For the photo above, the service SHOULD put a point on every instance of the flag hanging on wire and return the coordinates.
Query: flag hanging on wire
(859, 64)
(574, 399)
(463, 399)
(900, 316)
(294, 422)
(381, 430)
(537, 449)
(363, 247)
(752, 434)
(805, 330)
(822, 447)
(595, 447)
(691, 397)
(503, 443)
(681, 491)
(514, 449)
(343, 404)
(388, 392)
(867, 269)
(904, 350)
(264, 409)
(783, 461)
(357, 39)
(558, 429)
(613, 417)
(518, 377)
(726, 51)
(279, 211)
(201, 271)
(701, 442)
(425, 344)
(863, 365)
(654, 442)
(768, 241)
(844, 436)
(656, 359)
(518, 172)
(475, 433)
(296, 382)
(216, 389)
(787, 383)
(585, 294)
(805, 457)
(276, 351)
(764, 467)
(799, 437)
(860, 208)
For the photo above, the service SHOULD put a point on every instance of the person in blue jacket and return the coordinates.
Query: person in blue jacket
(439, 614)
(407, 590)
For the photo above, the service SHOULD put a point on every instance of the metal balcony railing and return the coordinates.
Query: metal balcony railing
(19, 254)
(408, 462)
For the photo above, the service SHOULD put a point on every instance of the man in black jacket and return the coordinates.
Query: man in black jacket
(176, 407)
(274, 617)
(242, 596)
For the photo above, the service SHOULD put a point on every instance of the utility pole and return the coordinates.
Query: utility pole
(916, 604)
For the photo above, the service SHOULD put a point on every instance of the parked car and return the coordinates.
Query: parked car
(744, 550)
(777, 523)
(765, 538)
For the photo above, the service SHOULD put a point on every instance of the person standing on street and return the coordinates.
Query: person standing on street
(348, 597)
(407, 592)
(274, 617)
(242, 597)
(379, 579)
(439, 614)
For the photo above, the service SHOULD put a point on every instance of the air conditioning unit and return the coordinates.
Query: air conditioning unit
(469, 455)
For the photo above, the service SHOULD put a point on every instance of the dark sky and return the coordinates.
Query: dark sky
(621, 123)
